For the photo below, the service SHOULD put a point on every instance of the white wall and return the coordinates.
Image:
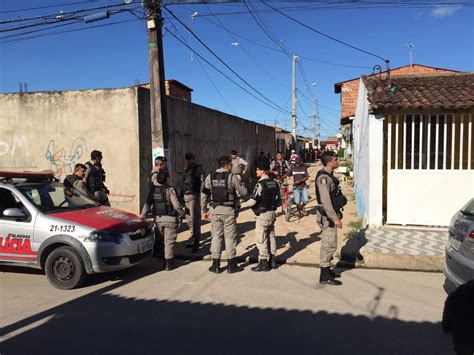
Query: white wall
(56, 130)
(368, 161)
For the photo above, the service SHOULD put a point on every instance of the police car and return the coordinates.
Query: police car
(65, 233)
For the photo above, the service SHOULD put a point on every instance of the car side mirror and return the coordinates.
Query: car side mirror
(14, 213)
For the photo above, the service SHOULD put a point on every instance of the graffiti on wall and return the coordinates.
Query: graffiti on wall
(15, 153)
(121, 198)
(62, 159)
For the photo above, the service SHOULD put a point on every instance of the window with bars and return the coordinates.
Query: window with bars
(431, 141)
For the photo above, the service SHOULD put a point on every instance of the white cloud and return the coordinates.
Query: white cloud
(444, 11)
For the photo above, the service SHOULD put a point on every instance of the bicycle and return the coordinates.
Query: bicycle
(286, 201)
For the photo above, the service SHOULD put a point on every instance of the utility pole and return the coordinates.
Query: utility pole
(314, 122)
(293, 102)
(159, 116)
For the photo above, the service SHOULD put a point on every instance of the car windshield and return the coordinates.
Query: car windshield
(54, 197)
(468, 208)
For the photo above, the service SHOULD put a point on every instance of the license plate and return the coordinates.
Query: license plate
(455, 243)
(144, 247)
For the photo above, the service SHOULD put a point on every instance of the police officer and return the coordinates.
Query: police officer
(331, 201)
(161, 164)
(220, 189)
(190, 191)
(239, 165)
(95, 178)
(264, 201)
(167, 212)
(76, 181)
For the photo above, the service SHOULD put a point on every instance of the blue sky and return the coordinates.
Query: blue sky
(116, 55)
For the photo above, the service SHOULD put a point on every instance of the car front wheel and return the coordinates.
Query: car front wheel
(64, 268)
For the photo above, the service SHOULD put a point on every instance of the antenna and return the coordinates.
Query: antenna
(410, 46)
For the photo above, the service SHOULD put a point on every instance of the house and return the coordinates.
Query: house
(349, 90)
(331, 143)
(413, 151)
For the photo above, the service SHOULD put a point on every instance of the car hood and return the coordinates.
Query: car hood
(104, 218)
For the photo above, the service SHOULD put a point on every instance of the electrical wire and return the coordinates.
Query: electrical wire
(267, 31)
(224, 74)
(68, 31)
(386, 61)
(207, 74)
(16, 35)
(66, 13)
(353, 5)
(280, 50)
(271, 77)
(223, 62)
(47, 6)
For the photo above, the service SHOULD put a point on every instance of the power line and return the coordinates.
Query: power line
(66, 13)
(386, 61)
(247, 53)
(215, 87)
(207, 74)
(47, 6)
(274, 38)
(223, 62)
(223, 74)
(280, 50)
(68, 31)
(351, 5)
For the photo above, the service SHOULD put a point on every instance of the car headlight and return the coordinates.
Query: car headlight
(104, 237)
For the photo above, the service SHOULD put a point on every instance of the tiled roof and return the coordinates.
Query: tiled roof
(430, 92)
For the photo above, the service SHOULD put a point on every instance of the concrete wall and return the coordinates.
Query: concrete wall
(209, 134)
(56, 130)
(367, 161)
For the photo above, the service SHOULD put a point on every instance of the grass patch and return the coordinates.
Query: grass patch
(355, 227)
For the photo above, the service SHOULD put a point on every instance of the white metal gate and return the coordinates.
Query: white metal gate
(430, 167)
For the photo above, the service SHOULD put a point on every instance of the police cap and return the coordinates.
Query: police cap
(162, 176)
(263, 165)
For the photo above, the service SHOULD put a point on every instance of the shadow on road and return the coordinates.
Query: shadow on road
(103, 322)
(350, 252)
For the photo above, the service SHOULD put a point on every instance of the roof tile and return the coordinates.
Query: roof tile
(441, 92)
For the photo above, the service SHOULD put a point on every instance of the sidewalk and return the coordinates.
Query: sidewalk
(298, 241)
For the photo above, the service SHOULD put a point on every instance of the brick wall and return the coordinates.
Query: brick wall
(349, 90)
(175, 90)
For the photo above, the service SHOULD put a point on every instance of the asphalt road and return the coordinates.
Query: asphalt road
(191, 311)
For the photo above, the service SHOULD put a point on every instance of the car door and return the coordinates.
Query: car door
(16, 234)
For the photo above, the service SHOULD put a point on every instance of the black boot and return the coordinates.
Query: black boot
(195, 246)
(334, 274)
(216, 266)
(232, 266)
(273, 262)
(327, 279)
(169, 264)
(261, 266)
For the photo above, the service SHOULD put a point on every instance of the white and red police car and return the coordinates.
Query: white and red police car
(65, 233)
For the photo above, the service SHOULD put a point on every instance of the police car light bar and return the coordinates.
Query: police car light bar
(39, 175)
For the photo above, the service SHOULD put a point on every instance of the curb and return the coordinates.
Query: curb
(371, 261)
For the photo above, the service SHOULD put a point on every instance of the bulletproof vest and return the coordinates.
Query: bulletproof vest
(269, 195)
(338, 200)
(95, 180)
(281, 168)
(161, 204)
(191, 182)
(70, 180)
(221, 194)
